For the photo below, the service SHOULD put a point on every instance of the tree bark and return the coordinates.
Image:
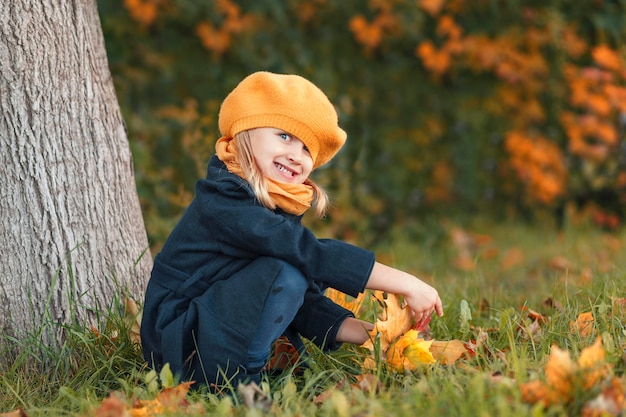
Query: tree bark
(71, 230)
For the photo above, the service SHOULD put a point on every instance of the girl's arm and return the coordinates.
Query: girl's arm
(421, 298)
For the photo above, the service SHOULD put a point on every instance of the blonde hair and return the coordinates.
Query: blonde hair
(256, 179)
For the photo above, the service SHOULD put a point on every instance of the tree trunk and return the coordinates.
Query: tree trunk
(71, 231)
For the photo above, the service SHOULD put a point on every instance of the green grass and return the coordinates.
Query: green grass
(515, 267)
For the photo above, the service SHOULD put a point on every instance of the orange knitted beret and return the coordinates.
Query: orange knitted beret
(287, 102)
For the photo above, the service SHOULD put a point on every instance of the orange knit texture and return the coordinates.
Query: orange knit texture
(288, 102)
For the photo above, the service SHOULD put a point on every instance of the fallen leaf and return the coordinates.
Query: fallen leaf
(447, 352)
(132, 317)
(551, 303)
(175, 397)
(14, 413)
(512, 258)
(534, 315)
(254, 397)
(409, 352)
(284, 355)
(368, 383)
(560, 263)
(610, 402)
(591, 361)
(325, 395)
(536, 392)
(112, 406)
(560, 372)
(584, 325)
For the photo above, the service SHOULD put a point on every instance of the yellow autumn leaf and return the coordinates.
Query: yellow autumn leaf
(591, 361)
(409, 352)
(560, 372)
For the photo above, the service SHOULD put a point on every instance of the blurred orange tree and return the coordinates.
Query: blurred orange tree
(509, 107)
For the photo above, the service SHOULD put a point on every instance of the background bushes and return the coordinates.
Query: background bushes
(511, 108)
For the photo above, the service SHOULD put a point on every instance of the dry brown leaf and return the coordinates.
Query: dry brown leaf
(561, 263)
(552, 303)
(464, 262)
(369, 383)
(112, 406)
(536, 316)
(448, 351)
(14, 413)
(284, 355)
(512, 258)
(325, 395)
(132, 317)
(584, 325)
(254, 397)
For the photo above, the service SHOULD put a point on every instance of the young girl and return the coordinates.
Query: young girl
(239, 270)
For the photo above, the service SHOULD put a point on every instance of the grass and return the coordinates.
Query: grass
(500, 270)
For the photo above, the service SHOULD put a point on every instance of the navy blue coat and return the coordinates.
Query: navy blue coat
(210, 281)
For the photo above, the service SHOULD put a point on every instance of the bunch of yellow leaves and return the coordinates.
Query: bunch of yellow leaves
(401, 345)
(566, 379)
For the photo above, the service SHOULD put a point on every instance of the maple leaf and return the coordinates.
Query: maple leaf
(394, 320)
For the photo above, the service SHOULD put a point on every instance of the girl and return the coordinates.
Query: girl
(239, 270)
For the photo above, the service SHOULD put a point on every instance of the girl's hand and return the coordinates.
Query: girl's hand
(354, 331)
(423, 300)
(421, 297)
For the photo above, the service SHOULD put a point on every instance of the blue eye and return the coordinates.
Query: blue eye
(284, 136)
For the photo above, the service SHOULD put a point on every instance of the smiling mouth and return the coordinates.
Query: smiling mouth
(285, 170)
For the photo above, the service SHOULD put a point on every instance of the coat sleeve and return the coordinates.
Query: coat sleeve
(243, 228)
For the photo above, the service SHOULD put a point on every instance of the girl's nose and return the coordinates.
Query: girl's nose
(296, 155)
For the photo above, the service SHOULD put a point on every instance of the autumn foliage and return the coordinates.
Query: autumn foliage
(513, 106)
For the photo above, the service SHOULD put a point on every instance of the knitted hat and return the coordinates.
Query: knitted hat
(287, 102)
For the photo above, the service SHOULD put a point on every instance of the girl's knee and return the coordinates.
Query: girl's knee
(290, 282)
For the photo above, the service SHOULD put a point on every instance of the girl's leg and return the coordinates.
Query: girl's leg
(282, 304)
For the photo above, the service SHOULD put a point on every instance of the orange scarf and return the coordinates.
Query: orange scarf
(292, 198)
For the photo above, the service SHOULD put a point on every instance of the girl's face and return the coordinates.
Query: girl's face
(280, 155)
